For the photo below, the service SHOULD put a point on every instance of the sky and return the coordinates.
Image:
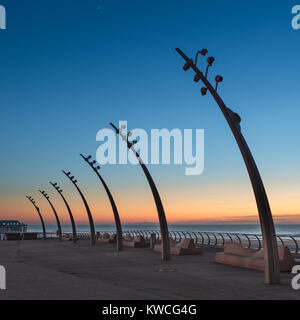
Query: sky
(70, 67)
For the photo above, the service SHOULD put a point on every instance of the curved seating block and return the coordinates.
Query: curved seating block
(157, 247)
(184, 247)
(236, 255)
(67, 237)
(128, 237)
(136, 242)
(107, 238)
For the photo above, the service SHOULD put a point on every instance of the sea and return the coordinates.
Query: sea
(281, 229)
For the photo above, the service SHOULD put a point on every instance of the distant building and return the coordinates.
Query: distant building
(12, 226)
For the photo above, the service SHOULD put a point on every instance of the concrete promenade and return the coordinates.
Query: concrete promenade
(53, 270)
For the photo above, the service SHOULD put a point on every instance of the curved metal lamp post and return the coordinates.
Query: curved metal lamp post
(165, 253)
(272, 268)
(59, 190)
(111, 199)
(40, 215)
(91, 221)
(55, 213)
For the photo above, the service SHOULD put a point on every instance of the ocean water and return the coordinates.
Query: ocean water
(283, 229)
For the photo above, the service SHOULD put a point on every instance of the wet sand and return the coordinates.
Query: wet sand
(52, 270)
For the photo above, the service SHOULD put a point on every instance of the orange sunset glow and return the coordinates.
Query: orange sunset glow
(205, 204)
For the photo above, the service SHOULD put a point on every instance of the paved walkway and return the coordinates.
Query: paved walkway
(53, 270)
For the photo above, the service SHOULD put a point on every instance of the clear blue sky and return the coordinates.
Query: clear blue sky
(70, 67)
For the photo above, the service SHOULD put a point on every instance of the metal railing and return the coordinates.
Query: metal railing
(217, 239)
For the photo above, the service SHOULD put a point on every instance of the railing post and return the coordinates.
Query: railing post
(152, 240)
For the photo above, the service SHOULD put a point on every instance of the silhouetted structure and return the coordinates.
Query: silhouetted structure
(12, 226)
(111, 199)
(165, 253)
(91, 221)
(55, 214)
(59, 190)
(40, 215)
(272, 270)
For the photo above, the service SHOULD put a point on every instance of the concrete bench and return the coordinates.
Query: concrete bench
(184, 247)
(107, 238)
(236, 255)
(136, 242)
(67, 237)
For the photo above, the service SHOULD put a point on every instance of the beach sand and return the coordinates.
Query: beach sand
(52, 270)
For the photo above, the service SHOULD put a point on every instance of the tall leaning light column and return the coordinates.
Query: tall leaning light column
(40, 215)
(59, 190)
(55, 214)
(111, 199)
(91, 221)
(272, 267)
(165, 253)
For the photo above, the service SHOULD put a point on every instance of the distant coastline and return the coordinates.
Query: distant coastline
(291, 229)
